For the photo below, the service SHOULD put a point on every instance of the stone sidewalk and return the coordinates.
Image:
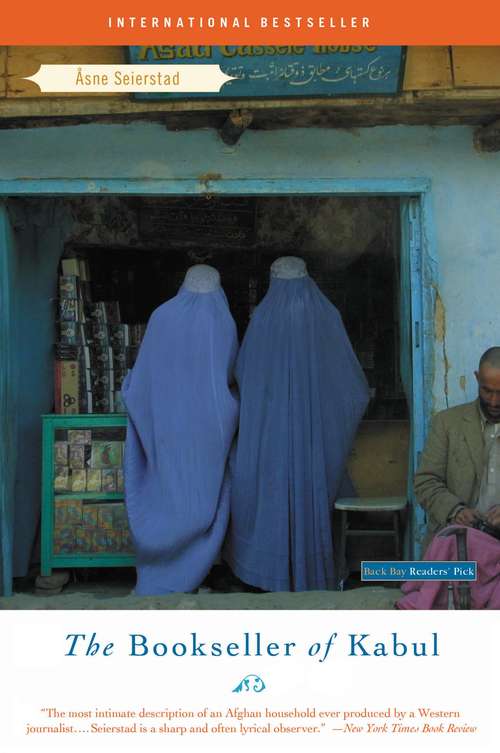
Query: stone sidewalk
(83, 597)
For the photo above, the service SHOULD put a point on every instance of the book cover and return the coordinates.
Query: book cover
(140, 139)
(106, 455)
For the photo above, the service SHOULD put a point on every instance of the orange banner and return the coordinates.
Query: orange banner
(261, 22)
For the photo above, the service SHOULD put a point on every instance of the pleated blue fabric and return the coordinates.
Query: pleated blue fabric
(182, 416)
(302, 393)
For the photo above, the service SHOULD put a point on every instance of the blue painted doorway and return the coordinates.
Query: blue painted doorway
(416, 302)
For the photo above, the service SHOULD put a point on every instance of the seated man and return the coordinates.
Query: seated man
(458, 480)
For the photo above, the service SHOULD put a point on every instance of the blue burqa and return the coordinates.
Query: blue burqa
(302, 393)
(182, 419)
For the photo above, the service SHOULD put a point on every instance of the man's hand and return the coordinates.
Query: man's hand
(466, 516)
(493, 515)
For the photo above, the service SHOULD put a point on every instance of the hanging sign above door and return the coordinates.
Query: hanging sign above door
(285, 71)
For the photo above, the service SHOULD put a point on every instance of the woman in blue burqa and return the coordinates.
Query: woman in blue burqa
(182, 416)
(302, 393)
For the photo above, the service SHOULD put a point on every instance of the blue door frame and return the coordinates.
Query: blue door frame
(8, 401)
(416, 303)
(414, 192)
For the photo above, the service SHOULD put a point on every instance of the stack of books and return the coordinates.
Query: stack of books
(95, 348)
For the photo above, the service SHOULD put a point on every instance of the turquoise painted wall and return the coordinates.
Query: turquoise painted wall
(462, 220)
(39, 239)
(8, 396)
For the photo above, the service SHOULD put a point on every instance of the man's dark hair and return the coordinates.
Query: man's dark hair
(491, 357)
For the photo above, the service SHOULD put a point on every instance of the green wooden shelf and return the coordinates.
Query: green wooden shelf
(99, 559)
(50, 559)
(89, 495)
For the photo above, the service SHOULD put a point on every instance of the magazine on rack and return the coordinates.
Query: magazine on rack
(250, 376)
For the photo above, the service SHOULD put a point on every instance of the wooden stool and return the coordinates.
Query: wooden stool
(345, 505)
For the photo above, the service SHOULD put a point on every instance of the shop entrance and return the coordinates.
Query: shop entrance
(364, 252)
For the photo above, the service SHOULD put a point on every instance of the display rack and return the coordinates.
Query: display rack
(84, 527)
